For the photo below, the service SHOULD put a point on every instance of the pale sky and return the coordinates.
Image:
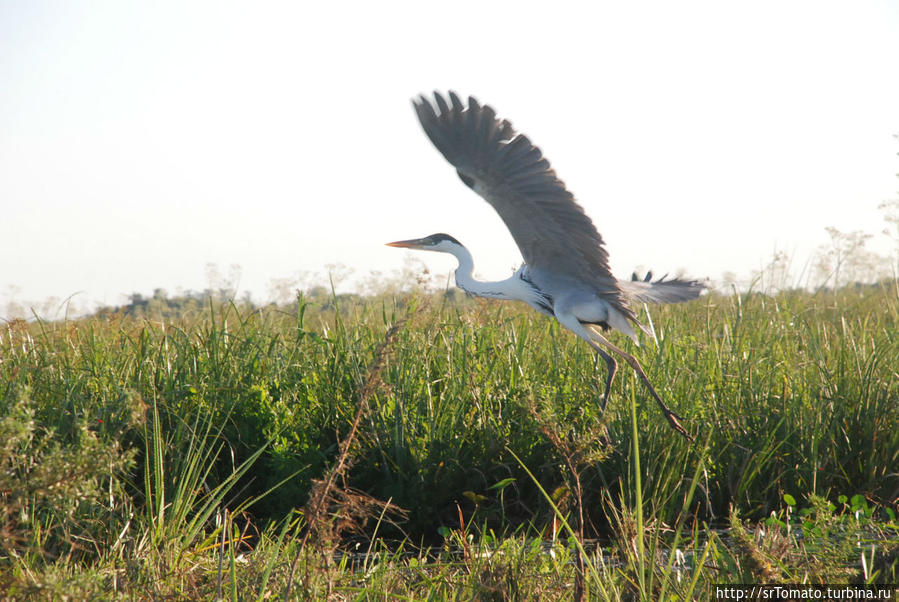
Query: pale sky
(140, 141)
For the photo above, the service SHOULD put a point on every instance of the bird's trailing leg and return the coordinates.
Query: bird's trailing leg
(673, 419)
(611, 367)
(590, 334)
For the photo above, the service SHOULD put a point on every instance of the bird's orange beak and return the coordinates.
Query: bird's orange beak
(406, 244)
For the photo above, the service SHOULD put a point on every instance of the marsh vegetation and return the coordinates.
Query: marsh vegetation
(430, 446)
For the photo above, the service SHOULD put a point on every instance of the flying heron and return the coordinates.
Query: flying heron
(566, 272)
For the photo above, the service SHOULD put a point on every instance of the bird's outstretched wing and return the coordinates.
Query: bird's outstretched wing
(551, 230)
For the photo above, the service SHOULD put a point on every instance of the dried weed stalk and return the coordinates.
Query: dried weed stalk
(333, 506)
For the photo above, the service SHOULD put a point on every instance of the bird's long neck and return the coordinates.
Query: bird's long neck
(511, 288)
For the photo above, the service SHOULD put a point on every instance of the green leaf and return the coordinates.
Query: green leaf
(477, 498)
(502, 484)
(772, 521)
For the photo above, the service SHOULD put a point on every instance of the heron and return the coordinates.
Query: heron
(565, 274)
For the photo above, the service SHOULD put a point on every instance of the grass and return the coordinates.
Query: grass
(215, 454)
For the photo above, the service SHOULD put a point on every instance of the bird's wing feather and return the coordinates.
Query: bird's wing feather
(551, 230)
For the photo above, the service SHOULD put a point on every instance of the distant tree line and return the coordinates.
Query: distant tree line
(161, 306)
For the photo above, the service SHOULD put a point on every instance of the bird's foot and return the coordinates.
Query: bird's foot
(674, 421)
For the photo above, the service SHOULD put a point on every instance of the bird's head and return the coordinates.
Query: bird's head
(435, 242)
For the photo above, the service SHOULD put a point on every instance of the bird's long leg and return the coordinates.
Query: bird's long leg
(673, 419)
(571, 322)
(611, 367)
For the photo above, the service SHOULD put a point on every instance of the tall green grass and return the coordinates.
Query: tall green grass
(480, 410)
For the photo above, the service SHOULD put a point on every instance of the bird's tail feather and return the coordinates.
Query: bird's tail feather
(661, 290)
